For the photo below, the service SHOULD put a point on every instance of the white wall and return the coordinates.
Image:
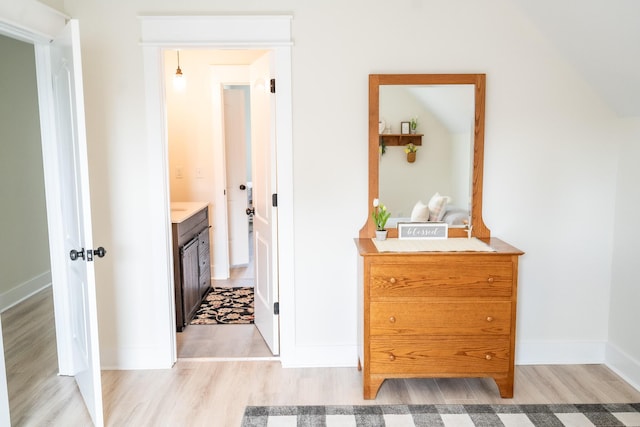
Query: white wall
(550, 162)
(623, 350)
(189, 116)
(24, 244)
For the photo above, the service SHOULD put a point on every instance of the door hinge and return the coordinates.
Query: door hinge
(273, 86)
(276, 308)
(274, 200)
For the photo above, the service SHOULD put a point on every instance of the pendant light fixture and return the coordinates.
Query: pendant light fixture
(178, 78)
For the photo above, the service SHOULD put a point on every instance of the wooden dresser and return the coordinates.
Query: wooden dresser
(437, 314)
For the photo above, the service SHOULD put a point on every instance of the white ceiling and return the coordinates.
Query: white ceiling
(601, 39)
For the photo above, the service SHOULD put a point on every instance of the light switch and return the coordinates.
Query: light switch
(199, 173)
(179, 172)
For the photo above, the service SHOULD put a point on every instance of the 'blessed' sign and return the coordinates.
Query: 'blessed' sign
(423, 230)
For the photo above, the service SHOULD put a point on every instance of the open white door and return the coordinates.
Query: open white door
(236, 155)
(75, 218)
(265, 219)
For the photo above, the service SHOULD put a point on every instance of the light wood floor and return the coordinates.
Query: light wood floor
(197, 393)
(224, 341)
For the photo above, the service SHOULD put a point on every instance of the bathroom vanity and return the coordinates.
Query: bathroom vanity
(444, 310)
(191, 258)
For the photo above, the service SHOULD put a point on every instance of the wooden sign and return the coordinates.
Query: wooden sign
(423, 230)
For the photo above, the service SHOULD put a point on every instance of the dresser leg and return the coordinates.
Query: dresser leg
(359, 365)
(371, 387)
(505, 385)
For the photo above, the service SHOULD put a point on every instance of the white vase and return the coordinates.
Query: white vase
(381, 234)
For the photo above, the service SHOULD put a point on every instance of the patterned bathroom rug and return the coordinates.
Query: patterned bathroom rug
(552, 415)
(226, 306)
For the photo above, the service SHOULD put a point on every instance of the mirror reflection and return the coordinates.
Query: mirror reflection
(444, 135)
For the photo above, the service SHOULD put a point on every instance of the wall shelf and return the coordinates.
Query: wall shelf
(396, 139)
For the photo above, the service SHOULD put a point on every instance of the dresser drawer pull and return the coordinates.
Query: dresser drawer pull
(489, 319)
(392, 357)
(490, 280)
(392, 319)
(488, 357)
(392, 280)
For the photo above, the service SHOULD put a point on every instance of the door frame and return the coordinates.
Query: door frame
(159, 33)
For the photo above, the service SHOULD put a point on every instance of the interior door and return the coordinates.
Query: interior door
(76, 216)
(265, 220)
(236, 154)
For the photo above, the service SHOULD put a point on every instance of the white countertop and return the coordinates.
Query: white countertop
(183, 210)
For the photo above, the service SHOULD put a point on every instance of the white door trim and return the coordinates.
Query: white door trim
(30, 21)
(233, 32)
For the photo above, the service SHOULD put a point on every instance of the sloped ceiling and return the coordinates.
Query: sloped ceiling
(601, 39)
(453, 105)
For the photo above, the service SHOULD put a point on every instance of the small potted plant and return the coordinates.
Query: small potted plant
(411, 150)
(380, 216)
(414, 125)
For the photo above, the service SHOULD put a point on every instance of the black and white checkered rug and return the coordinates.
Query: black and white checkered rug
(560, 415)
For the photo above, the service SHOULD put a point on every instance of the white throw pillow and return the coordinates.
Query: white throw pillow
(420, 212)
(437, 207)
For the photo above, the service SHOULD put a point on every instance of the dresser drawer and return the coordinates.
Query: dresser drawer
(439, 355)
(459, 318)
(436, 278)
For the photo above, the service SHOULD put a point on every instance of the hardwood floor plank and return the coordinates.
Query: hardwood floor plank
(206, 393)
(455, 390)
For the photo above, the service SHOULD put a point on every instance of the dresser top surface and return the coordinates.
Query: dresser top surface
(366, 247)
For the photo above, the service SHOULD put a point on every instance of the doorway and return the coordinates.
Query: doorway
(159, 33)
(209, 157)
(25, 291)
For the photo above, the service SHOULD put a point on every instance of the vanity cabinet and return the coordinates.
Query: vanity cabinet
(191, 263)
(189, 280)
(437, 314)
(204, 262)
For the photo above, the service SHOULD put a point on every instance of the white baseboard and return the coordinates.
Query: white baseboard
(623, 364)
(560, 352)
(24, 290)
(218, 273)
(320, 357)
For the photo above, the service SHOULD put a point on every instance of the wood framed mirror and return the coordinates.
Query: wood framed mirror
(379, 138)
